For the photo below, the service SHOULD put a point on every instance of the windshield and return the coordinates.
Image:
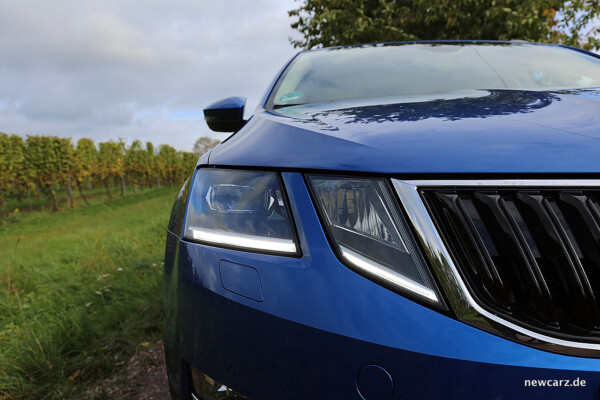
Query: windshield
(375, 71)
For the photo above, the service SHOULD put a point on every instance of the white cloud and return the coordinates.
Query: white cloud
(134, 69)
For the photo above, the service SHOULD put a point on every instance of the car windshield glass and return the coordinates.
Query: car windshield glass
(375, 71)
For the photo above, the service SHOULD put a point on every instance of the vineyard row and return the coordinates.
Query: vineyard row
(48, 163)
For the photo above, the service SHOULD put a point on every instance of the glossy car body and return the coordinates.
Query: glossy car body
(273, 326)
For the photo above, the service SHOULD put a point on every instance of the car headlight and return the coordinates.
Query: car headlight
(239, 209)
(370, 233)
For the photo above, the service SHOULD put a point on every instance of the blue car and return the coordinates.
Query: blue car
(396, 221)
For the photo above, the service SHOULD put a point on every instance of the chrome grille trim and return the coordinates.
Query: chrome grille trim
(560, 183)
(461, 300)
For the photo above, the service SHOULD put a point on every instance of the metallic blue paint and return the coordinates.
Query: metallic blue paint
(234, 104)
(226, 115)
(241, 279)
(320, 323)
(499, 131)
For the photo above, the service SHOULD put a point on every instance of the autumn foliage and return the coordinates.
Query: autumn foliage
(48, 163)
(343, 22)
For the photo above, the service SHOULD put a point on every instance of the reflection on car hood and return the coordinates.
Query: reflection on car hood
(495, 131)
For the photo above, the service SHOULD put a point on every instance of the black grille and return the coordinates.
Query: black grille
(530, 255)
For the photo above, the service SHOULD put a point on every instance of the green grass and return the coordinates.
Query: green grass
(43, 202)
(79, 292)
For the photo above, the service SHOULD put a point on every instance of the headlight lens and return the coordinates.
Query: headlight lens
(370, 232)
(242, 209)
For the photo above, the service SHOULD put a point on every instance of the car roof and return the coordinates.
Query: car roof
(445, 41)
(451, 42)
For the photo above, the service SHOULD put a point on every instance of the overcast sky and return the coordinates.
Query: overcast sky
(129, 69)
(135, 69)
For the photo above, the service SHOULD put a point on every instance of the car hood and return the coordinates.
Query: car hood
(483, 131)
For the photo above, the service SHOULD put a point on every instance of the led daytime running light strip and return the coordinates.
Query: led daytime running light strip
(241, 240)
(387, 274)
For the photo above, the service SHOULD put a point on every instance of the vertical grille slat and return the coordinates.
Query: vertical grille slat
(569, 285)
(594, 209)
(530, 254)
(593, 313)
(590, 244)
(481, 263)
(520, 258)
(492, 271)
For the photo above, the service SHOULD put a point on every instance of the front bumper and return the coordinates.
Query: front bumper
(313, 325)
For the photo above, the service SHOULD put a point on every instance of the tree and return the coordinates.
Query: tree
(137, 163)
(189, 163)
(167, 163)
(12, 157)
(45, 158)
(111, 164)
(66, 171)
(581, 16)
(151, 166)
(204, 144)
(25, 176)
(83, 167)
(343, 22)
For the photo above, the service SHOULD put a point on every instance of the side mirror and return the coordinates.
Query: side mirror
(226, 115)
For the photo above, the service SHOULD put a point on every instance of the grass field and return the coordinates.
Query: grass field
(79, 292)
